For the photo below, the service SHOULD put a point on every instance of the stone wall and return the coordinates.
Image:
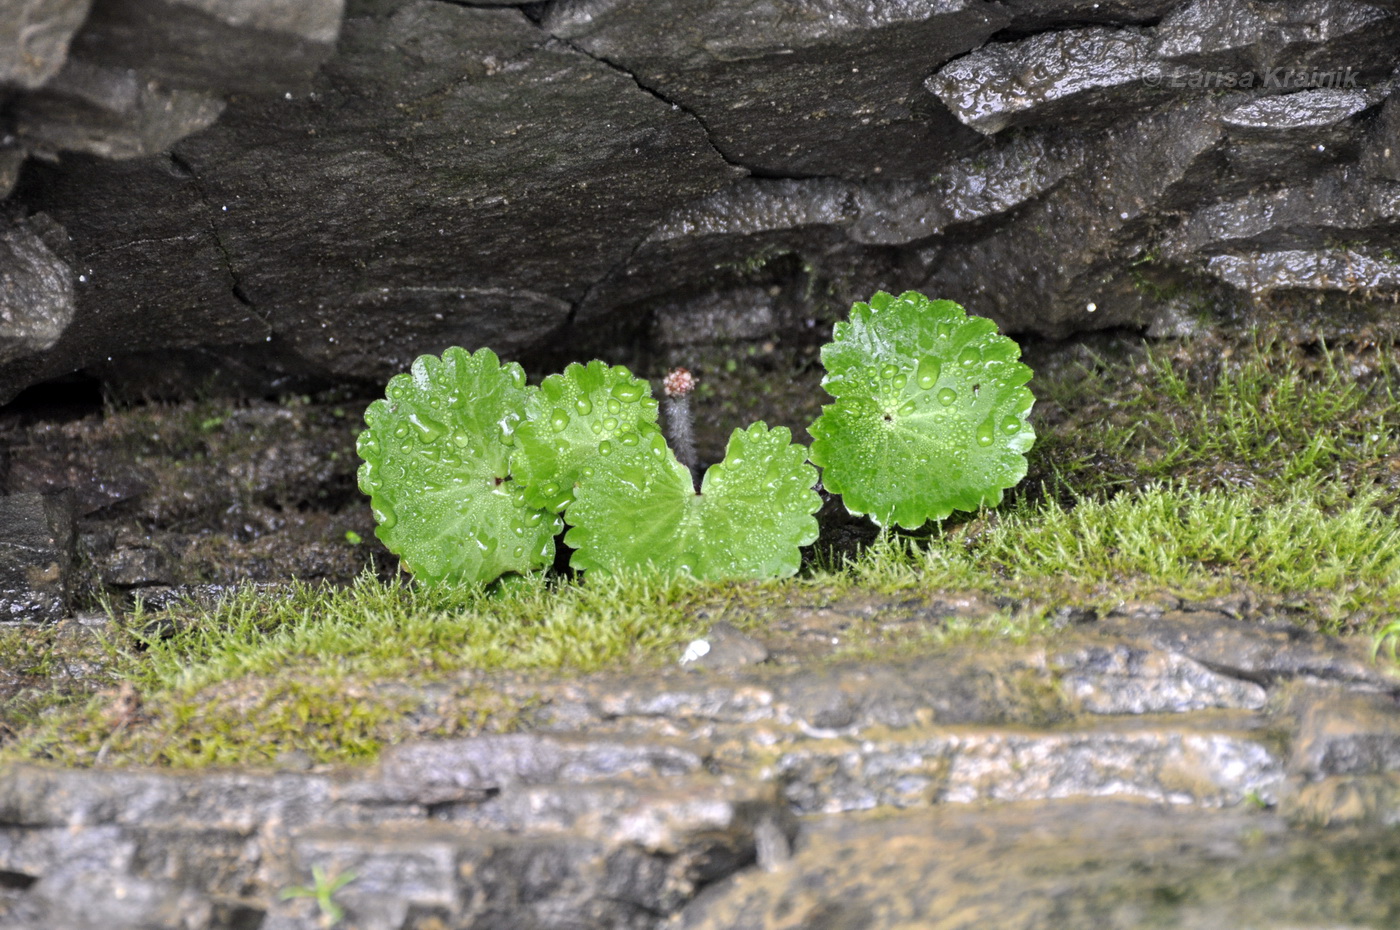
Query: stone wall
(550, 178)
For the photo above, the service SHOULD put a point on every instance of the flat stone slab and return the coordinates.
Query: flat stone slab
(1170, 762)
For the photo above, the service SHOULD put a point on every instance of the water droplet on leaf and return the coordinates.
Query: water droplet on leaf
(384, 515)
(947, 396)
(627, 391)
(928, 372)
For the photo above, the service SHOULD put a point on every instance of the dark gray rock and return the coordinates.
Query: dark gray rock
(1086, 76)
(1278, 46)
(111, 112)
(1382, 156)
(36, 288)
(11, 160)
(1317, 271)
(809, 88)
(34, 38)
(416, 236)
(971, 189)
(215, 46)
(128, 259)
(1341, 206)
(36, 556)
(1290, 138)
(1035, 15)
(567, 179)
(1067, 263)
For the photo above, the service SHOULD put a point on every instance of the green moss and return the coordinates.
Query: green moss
(1203, 469)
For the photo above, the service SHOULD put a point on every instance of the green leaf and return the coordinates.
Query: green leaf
(754, 511)
(930, 412)
(436, 467)
(571, 420)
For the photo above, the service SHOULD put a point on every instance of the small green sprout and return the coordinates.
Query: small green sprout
(323, 890)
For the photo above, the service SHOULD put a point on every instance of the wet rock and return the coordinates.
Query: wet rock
(1122, 679)
(1036, 15)
(1113, 865)
(242, 47)
(1163, 764)
(1382, 157)
(1075, 247)
(463, 258)
(1318, 271)
(110, 112)
(1347, 734)
(743, 314)
(969, 190)
(34, 37)
(621, 845)
(11, 159)
(135, 562)
(1338, 206)
(1291, 137)
(805, 90)
(478, 768)
(1279, 45)
(168, 230)
(1253, 651)
(1086, 76)
(36, 289)
(36, 556)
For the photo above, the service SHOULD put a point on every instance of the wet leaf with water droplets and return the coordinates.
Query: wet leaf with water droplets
(577, 417)
(752, 516)
(439, 488)
(906, 451)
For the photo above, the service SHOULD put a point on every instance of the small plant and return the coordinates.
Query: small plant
(323, 891)
(468, 468)
(930, 412)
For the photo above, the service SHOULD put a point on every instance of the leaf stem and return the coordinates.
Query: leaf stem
(679, 424)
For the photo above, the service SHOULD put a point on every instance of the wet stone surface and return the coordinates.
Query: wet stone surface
(1175, 764)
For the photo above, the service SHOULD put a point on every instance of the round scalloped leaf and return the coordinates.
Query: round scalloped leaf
(930, 413)
(436, 468)
(753, 513)
(569, 423)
